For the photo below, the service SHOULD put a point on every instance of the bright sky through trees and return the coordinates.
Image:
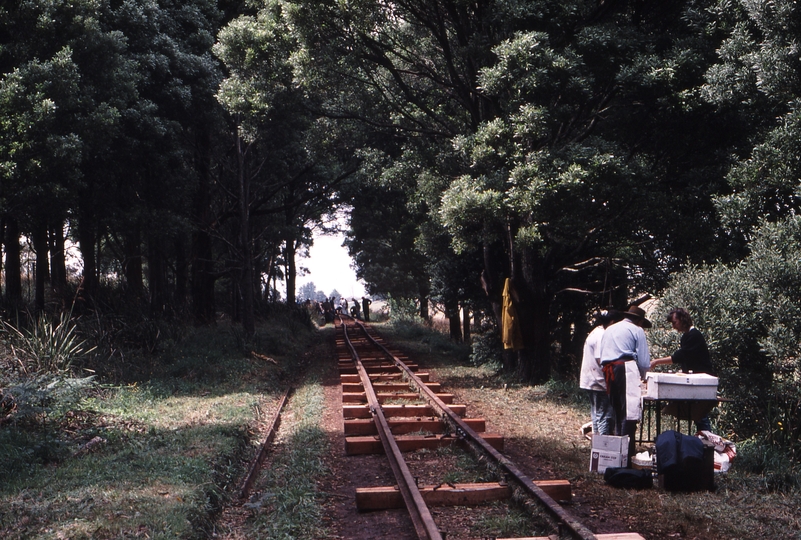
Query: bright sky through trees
(329, 268)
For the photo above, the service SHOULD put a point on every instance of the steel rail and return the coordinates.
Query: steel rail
(423, 522)
(575, 527)
(255, 467)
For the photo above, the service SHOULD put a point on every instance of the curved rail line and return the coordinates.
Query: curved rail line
(418, 510)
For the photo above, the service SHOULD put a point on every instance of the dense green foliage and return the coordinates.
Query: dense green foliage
(590, 152)
(751, 313)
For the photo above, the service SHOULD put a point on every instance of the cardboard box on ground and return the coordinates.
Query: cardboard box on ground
(609, 451)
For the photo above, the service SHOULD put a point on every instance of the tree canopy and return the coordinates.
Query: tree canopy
(586, 151)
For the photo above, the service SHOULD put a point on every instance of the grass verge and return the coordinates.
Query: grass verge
(153, 459)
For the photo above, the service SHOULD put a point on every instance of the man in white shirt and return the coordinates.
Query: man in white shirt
(625, 360)
(591, 377)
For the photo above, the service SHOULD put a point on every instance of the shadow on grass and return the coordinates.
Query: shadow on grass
(162, 481)
(167, 449)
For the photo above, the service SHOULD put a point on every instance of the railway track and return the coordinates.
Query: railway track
(391, 407)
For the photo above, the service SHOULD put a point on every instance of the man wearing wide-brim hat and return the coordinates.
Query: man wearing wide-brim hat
(625, 360)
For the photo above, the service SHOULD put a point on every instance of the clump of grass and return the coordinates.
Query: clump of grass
(402, 401)
(566, 392)
(767, 468)
(466, 468)
(512, 522)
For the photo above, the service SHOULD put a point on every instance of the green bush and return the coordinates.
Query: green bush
(487, 348)
(42, 385)
(403, 310)
(750, 313)
(770, 464)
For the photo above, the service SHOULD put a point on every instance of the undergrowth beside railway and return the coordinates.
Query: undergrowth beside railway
(152, 458)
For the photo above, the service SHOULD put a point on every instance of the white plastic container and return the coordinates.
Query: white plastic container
(681, 386)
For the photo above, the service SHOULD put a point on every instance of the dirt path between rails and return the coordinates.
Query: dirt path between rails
(349, 472)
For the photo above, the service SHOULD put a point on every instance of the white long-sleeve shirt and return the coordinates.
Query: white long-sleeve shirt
(592, 376)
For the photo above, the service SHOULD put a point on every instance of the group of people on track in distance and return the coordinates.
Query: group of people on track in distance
(329, 308)
(616, 359)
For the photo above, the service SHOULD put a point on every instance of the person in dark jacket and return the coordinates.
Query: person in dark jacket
(693, 353)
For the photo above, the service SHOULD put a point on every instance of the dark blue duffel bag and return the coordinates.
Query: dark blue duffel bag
(681, 462)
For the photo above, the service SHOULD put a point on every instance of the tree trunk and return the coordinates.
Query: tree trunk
(291, 272)
(86, 243)
(132, 265)
(533, 361)
(13, 297)
(157, 277)
(454, 324)
(246, 278)
(491, 283)
(270, 272)
(202, 281)
(258, 272)
(2, 242)
(424, 308)
(181, 273)
(58, 263)
(236, 300)
(466, 323)
(42, 267)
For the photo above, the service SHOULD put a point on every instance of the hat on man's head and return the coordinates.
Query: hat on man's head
(607, 316)
(637, 314)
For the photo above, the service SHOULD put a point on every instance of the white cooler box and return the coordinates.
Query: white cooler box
(681, 386)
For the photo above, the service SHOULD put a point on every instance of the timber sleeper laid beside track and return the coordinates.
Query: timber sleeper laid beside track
(391, 407)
